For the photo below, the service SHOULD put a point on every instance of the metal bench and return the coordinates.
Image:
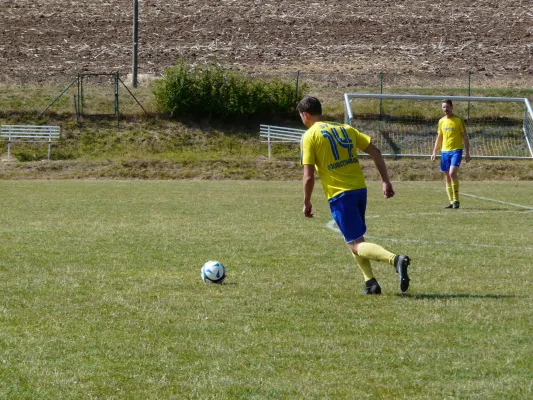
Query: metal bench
(279, 134)
(29, 134)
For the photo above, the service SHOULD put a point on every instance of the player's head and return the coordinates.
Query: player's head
(310, 105)
(447, 107)
(310, 110)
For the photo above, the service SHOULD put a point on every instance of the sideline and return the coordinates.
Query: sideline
(331, 225)
(463, 212)
(496, 201)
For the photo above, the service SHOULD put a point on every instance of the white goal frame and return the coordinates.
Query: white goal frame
(527, 122)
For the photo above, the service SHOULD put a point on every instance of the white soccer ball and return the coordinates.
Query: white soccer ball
(213, 272)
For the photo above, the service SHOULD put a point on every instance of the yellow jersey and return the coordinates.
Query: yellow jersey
(332, 148)
(451, 130)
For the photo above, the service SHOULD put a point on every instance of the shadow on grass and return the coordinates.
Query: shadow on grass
(439, 296)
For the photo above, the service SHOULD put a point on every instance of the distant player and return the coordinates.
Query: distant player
(452, 136)
(331, 149)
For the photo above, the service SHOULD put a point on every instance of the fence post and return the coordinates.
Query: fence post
(468, 109)
(49, 129)
(268, 141)
(115, 81)
(297, 82)
(9, 144)
(381, 92)
(80, 94)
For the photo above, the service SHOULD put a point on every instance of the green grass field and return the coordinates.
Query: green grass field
(101, 296)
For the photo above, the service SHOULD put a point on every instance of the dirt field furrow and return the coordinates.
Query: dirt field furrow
(44, 41)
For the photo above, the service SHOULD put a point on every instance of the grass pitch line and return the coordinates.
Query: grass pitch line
(463, 211)
(496, 201)
(443, 243)
(447, 213)
(331, 225)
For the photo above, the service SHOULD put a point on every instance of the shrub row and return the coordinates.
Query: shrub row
(214, 92)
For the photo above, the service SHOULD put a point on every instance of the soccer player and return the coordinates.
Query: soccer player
(452, 136)
(331, 149)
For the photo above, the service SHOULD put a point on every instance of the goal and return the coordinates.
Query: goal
(406, 125)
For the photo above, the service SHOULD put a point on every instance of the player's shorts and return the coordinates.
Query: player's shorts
(450, 159)
(348, 211)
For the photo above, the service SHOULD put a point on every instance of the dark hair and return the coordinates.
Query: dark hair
(311, 105)
(448, 101)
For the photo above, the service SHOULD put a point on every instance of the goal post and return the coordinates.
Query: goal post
(406, 125)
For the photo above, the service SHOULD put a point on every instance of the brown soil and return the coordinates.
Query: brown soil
(53, 40)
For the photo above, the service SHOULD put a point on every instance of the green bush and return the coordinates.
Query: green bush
(214, 92)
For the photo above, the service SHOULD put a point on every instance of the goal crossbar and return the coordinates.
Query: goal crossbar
(527, 126)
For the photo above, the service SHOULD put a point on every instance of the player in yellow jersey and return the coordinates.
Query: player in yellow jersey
(451, 135)
(331, 149)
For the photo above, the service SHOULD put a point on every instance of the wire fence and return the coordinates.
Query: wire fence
(462, 84)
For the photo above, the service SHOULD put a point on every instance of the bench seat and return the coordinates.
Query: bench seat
(29, 134)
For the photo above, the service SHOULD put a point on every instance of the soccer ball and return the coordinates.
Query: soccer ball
(213, 272)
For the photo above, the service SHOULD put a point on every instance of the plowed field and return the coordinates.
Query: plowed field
(53, 40)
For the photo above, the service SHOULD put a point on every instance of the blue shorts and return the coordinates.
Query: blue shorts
(348, 211)
(450, 159)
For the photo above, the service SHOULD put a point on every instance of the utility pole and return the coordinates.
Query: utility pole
(135, 41)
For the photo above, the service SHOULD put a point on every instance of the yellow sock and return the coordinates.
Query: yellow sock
(449, 191)
(375, 252)
(364, 265)
(455, 189)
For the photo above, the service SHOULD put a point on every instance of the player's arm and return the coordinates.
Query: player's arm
(438, 144)
(377, 157)
(309, 184)
(467, 146)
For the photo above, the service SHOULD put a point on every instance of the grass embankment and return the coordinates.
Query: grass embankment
(249, 168)
(151, 146)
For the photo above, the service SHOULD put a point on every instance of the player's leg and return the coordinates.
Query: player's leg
(455, 163)
(454, 184)
(371, 283)
(449, 189)
(348, 212)
(445, 161)
(375, 252)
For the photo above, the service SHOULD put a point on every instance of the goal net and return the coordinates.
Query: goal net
(406, 125)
